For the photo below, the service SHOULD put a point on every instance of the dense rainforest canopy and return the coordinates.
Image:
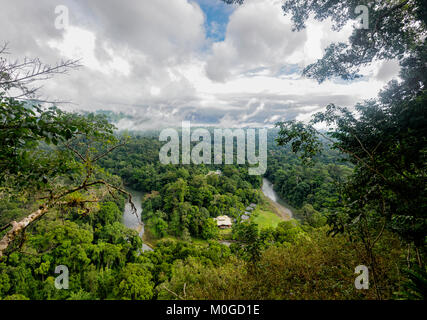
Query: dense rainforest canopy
(358, 189)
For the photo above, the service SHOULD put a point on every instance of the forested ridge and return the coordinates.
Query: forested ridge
(357, 189)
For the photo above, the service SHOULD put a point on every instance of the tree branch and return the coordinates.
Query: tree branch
(18, 227)
(170, 291)
(108, 151)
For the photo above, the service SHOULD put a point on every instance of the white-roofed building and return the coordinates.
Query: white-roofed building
(223, 222)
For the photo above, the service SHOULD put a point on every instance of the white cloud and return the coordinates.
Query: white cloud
(152, 59)
(78, 43)
(258, 35)
(387, 70)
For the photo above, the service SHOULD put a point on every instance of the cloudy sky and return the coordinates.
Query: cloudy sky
(164, 61)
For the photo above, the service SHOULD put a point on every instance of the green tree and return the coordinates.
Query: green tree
(249, 242)
(108, 214)
(209, 230)
(158, 226)
(134, 283)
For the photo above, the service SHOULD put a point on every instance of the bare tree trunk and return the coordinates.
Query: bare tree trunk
(374, 274)
(418, 257)
(18, 227)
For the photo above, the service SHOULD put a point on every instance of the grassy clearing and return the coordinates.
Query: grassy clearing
(266, 214)
(266, 219)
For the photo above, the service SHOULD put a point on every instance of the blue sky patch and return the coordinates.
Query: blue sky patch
(217, 14)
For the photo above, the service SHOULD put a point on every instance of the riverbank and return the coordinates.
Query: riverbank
(273, 200)
(132, 220)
